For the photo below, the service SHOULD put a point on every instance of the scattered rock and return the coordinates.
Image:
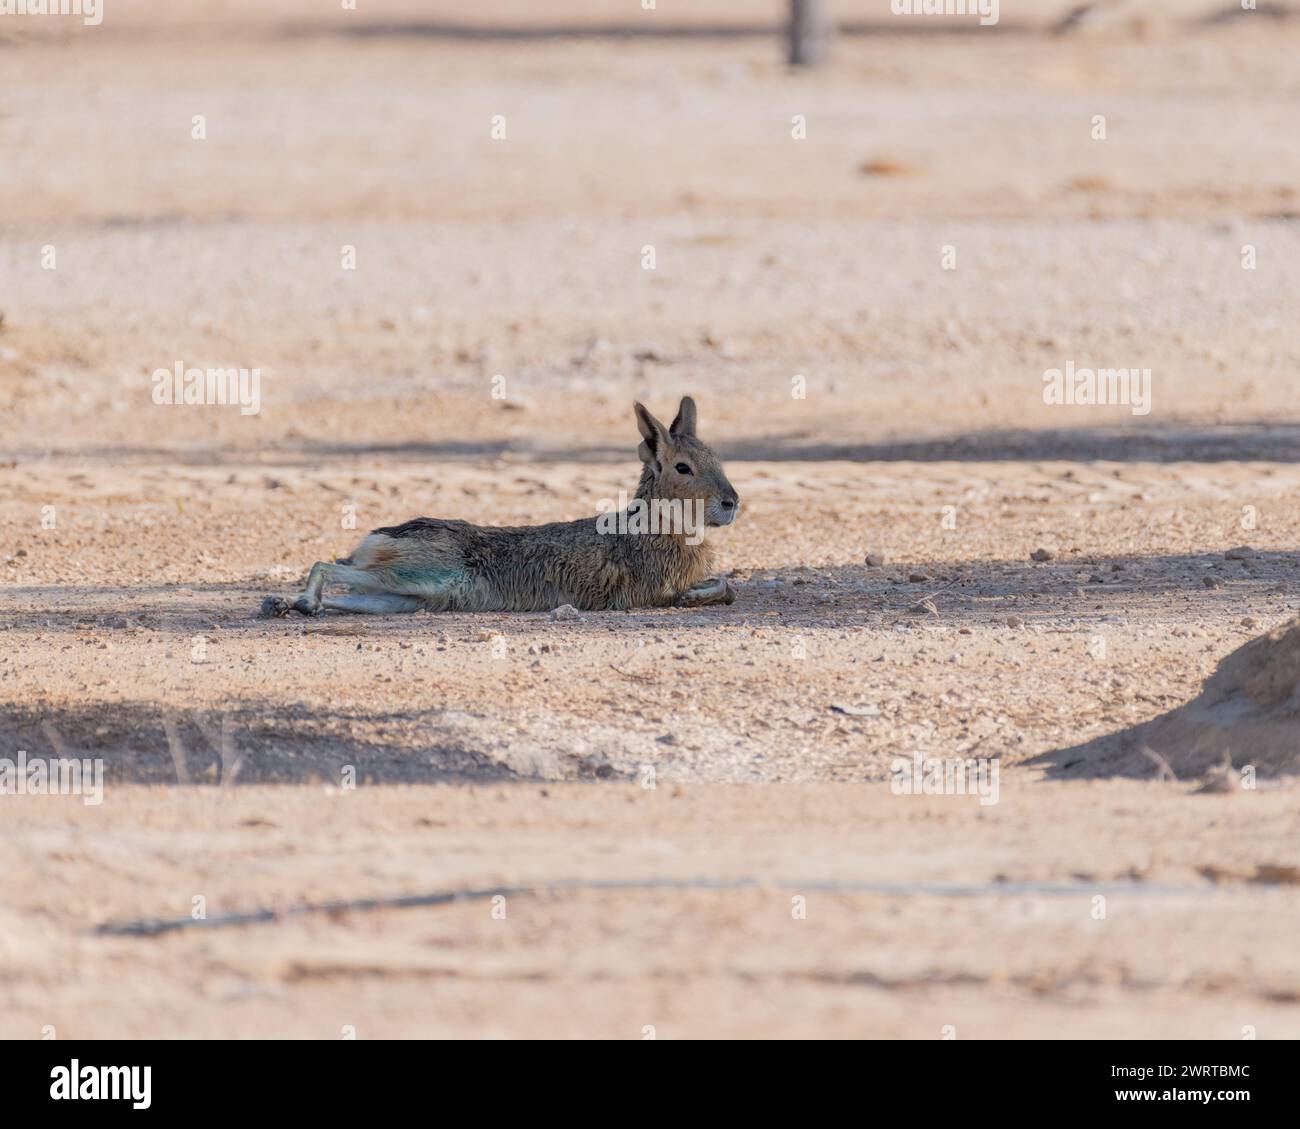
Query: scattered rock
(917, 577)
(566, 613)
(875, 560)
(855, 711)
(1241, 553)
(924, 607)
(1090, 184)
(1212, 582)
(1014, 621)
(1249, 621)
(1041, 554)
(885, 166)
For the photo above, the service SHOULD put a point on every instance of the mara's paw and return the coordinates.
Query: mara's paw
(303, 606)
(273, 607)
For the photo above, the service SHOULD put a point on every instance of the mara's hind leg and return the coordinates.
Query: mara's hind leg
(712, 591)
(309, 603)
(358, 579)
(367, 603)
(414, 569)
(372, 603)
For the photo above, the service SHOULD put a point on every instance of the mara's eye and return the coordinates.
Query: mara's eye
(682, 468)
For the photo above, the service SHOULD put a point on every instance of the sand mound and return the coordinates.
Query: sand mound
(1248, 710)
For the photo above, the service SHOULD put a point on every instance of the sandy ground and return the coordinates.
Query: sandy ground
(747, 747)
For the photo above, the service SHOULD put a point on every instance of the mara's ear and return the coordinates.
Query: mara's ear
(654, 436)
(684, 424)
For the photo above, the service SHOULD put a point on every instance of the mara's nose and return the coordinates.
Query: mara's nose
(731, 503)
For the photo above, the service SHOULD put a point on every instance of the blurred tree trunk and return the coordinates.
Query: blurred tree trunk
(810, 32)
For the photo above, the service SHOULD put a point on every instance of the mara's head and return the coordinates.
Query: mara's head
(678, 465)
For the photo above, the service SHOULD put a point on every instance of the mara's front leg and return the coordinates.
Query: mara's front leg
(715, 590)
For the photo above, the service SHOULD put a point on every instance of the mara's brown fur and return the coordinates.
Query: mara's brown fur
(651, 554)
